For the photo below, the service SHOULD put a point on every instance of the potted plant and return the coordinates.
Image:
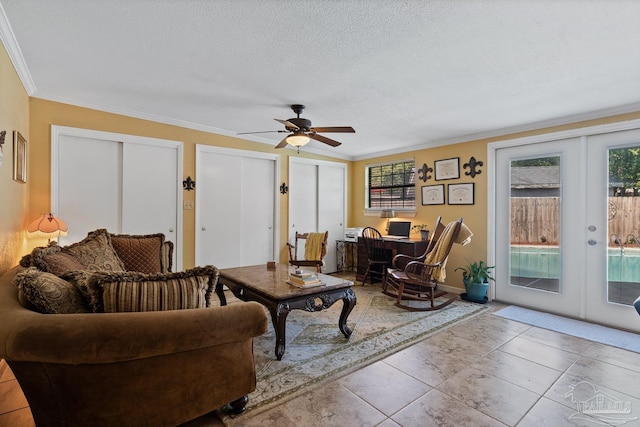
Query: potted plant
(476, 276)
(422, 228)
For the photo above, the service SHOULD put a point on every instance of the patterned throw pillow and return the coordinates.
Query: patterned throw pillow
(141, 253)
(52, 260)
(133, 292)
(95, 252)
(50, 294)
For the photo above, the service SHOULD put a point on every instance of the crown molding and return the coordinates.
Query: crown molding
(181, 123)
(560, 121)
(15, 54)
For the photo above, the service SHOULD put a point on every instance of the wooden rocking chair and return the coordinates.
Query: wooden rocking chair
(315, 248)
(418, 280)
(399, 261)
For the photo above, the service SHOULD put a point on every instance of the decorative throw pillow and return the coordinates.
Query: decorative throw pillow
(50, 294)
(131, 291)
(95, 252)
(51, 259)
(141, 253)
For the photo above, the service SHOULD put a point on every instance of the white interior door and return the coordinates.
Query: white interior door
(124, 183)
(152, 189)
(236, 207)
(331, 211)
(317, 201)
(86, 184)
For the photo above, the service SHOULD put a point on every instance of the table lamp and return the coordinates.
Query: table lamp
(47, 225)
(388, 214)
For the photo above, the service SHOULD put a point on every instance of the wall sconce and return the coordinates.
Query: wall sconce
(47, 225)
(388, 214)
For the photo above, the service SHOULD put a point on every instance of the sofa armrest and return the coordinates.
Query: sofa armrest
(108, 337)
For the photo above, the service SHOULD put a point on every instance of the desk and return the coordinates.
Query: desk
(270, 288)
(410, 247)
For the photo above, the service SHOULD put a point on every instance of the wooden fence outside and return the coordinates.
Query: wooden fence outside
(534, 220)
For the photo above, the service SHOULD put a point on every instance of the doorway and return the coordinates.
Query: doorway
(566, 217)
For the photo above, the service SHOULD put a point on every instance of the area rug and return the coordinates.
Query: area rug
(317, 352)
(576, 328)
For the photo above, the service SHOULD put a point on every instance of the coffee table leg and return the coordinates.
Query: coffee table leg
(279, 318)
(348, 302)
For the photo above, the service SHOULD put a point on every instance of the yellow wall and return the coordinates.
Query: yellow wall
(46, 113)
(474, 216)
(33, 117)
(14, 196)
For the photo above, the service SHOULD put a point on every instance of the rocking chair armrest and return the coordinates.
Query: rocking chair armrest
(418, 267)
(406, 259)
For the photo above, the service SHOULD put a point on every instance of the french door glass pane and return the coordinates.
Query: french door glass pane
(535, 223)
(623, 252)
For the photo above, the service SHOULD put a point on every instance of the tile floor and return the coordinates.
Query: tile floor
(488, 371)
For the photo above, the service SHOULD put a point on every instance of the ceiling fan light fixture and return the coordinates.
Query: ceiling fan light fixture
(298, 139)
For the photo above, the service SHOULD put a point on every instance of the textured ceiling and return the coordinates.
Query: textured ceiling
(402, 73)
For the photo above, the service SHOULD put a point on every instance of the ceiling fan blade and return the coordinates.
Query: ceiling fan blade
(264, 131)
(344, 129)
(283, 143)
(324, 139)
(287, 123)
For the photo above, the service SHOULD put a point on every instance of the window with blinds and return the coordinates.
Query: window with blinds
(391, 185)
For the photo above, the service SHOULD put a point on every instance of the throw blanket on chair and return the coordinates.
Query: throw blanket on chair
(463, 238)
(313, 247)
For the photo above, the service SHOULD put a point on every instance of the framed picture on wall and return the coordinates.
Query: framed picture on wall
(433, 194)
(461, 194)
(447, 168)
(19, 157)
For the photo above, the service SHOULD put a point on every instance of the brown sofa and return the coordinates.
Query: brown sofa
(153, 368)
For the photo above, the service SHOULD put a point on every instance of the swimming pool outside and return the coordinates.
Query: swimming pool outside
(544, 262)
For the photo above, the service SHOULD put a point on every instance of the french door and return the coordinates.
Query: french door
(566, 226)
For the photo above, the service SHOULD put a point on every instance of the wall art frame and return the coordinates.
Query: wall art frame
(432, 194)
(461, 194)
(447, 168)
(19, 157)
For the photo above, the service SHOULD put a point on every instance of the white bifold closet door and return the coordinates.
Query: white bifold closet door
(123, 183)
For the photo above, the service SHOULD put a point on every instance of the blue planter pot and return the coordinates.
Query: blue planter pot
(476, 291)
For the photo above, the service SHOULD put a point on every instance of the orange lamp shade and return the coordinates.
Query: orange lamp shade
(47, 225)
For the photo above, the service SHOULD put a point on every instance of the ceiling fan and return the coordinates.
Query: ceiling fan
(301, 132)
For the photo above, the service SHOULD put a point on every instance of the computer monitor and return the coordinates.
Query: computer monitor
(399, 228)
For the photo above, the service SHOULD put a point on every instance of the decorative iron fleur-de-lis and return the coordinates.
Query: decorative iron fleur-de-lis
(284, 188)
(472, 165)
(189, 184)
(423, 171)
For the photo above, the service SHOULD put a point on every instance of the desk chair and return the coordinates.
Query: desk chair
(378, 257)
(315, 248)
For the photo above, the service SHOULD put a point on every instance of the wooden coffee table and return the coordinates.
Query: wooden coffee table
(270, 288)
